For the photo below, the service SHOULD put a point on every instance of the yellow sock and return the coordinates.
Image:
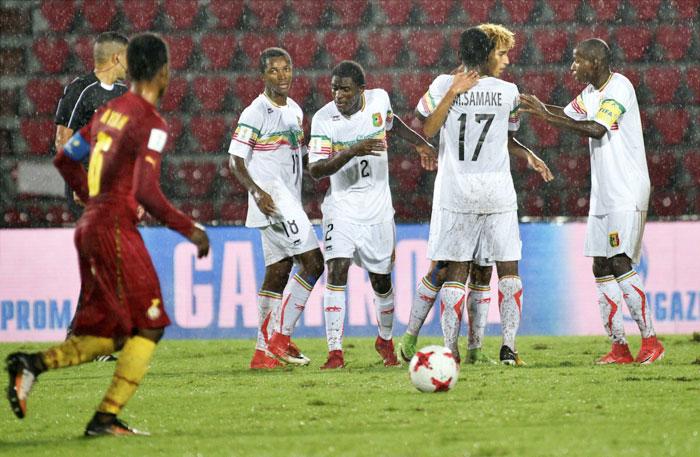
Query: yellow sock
(131, 368)
(76, 350)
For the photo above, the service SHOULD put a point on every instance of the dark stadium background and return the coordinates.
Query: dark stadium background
(403, 45)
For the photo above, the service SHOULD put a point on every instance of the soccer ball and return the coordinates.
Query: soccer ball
(433, 369)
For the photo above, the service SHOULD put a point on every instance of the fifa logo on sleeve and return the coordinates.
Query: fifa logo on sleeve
(614, 239)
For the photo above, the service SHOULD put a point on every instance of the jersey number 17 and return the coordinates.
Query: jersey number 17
(462, 129)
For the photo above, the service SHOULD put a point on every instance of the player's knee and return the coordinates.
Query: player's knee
(621, 264)
(337, 272)
(153, 334)
(380, 283)
(602, 267)
(313, 266)
(480, 275)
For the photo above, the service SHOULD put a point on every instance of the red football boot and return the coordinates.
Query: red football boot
(651, 350)
(385, 348)
(279, 346)
(335, 360)
(262, 361)
(620, 353)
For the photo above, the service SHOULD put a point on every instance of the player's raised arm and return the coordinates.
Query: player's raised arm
(532, 105)
(426, 151)
(461, 83)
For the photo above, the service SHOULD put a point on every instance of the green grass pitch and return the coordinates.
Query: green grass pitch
(199, 399)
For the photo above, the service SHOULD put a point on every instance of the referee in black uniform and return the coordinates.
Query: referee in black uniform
(85, 94)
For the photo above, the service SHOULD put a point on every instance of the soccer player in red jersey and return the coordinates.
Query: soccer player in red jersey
(122, 306)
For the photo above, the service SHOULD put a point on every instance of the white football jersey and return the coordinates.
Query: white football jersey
(473, 163)
(619, 173)
(269, 137)
(359, 191)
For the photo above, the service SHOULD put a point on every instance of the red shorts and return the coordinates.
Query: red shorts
(120, 287)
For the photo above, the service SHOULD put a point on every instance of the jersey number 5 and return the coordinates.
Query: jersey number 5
(462, 128)
(102, 145)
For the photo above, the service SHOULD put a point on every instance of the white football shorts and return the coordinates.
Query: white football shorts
(283, 239)
(369, 246)
(467, 237)
(615, 233)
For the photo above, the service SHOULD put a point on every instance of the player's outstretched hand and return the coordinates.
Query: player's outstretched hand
(428, 156)
(264, 202)
(201, 240)
(531, 104)
(540, 167)
(462, 82)
(368, 147)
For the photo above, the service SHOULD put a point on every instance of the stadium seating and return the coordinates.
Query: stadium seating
(181, 13)
(646, 10)
(691, 163)
(341, 45)
(38, 133)
(576, 203)
(268, 13)
(634, 41)
(381, 81)
(605, 10)
(211, 92)
(247, 88)
(427, 46)
(228, 13)
(662, 167)
(595, 31)
(687, 9)
(533, 205)
(572, 170)
(253, 44)
(348, 13)
(234, 211)
(519, 11)
(434, 12)
(302, 47)
(175, 128)
(210, 132)
(552, 44)
(141, 14)
(52, 53)
(301, 88)
(200, 211)
(406, 172)
(59, 14)
(672, 124)
(385, 46)
(412, 87)
(662, 82)
(396, 12)
(546, 134)
(564, 11)
(307, 12)
(181, 47)
(99, 14)
(196, 178)
(219, 50)
(323, 88)
(44, 94)
(540, 83)
(692, 80)
(83, 49)
(674, 40)
(667, 203)
(174, 96)
(477, 12)
(228, 184)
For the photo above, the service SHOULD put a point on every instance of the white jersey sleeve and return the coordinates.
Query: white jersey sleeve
(321, 141)
(576, 109)
(389, 122)
(438, 88)
(247, 132)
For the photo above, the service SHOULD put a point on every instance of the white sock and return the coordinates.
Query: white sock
(422, 302)
(334, 313)
(451, 306)
(267, 303)
(384, 306)
(610, 302)
(510, 300)
(478, 301)
(293, 304)
(633, 293)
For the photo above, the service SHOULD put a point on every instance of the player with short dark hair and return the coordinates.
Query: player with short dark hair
(348, 144)
(122, 305)
(607, 113)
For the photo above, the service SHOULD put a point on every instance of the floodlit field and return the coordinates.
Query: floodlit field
(199, 399)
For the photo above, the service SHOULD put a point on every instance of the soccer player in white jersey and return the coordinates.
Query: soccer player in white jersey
(267, 157)
(479, 296)
(476, 218)
(348, 143)
(608, 114)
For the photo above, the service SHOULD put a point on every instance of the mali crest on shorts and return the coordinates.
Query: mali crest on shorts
(614, 239)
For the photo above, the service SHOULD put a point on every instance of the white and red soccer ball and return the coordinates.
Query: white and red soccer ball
(433, 369)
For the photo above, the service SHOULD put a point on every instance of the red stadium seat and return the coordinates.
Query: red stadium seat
(435, 12)
(632, 73)
(247, 88)
(381, 81)
(634, 41)
(52, 53)
(413, 86)
(646, 9)
(44, 94)
(572, 86)
(406, 171)
(210, 132)
(174, 95)
(605, 10)
(323, 88)
(253, 44)
(533, 205)
(194, 179)
(219, 50)
(268, 12)
(595, 31)
(227, 12)
(573, 169)
(200, 211)
(175, 128)
(302, 46)
(211, 92)
(141, 13)
(478, 12)
(691, 164)
(181, 47)
(348, 13)
(59, 14)
(667, 203)
(229, 184)
(83, 48)
(692, 80)
(308, 12)
(234, 211)
(661, 168)
(182, 13)
(576, 204)
(341, 45)
(301, 89)
(547, 135)
(675, 41)
(396, 11)
(687, 9)
(672, 124)
(99, 14)
(58, 215)
(427, 46)
(386, 46)
(38, 133)
(662, 83)
(540, 83)
(564, 11)
(519, 10)
(552, 44)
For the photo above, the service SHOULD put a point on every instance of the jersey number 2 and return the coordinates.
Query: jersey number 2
(102, 145)
(462, 128)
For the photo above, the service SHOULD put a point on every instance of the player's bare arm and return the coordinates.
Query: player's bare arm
(327, 167)
(262, 198)
(426, 151)
(558, 110)
(532, 105)
(518, 149)
(201, 240)
(461, 83)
